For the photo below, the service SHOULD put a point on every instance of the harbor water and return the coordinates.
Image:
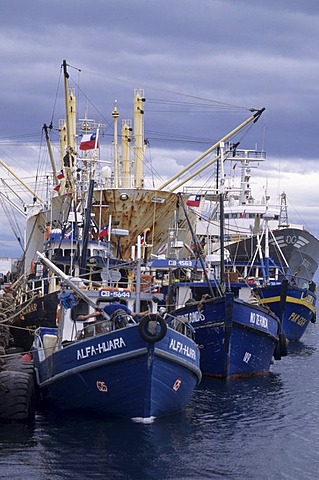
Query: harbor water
(254, 428)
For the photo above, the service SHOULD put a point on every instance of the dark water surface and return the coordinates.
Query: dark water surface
(257, 428)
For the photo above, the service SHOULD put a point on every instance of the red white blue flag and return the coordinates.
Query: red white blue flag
(89, 142)
(193, 201)
(103, 232)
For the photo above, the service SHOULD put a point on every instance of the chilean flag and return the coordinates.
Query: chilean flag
(193, 201)
(89, 142)
(103, 232)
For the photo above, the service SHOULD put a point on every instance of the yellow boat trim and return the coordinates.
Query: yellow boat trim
(289, 300)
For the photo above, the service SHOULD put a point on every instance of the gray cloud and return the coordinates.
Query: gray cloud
(206, 58)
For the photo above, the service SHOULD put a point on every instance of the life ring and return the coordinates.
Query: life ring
(146, 330)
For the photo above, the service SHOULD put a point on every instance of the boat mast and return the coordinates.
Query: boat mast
(199, 170)
(139, 138)
(283, 214)
(66, 102)
(47, 138)
(87, 224)
(68, 142)
(126, 164)
(221, 217)
(252, 118)
(115, 115)
(35, 195)
(267, 216)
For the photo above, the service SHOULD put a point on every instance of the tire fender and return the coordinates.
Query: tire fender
(146, 332)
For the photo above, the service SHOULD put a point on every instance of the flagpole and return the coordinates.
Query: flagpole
(97, 138)
(109, 250)
(138, 276)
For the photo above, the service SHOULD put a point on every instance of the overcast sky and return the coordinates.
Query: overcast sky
(202, 66)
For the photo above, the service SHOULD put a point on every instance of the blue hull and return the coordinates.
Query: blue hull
(235, 338)
(119, 374)
(298, 309)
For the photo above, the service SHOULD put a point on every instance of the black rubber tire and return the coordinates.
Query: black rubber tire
(277, 351)
(13, 350)
(146, 334)
(17, 364)
(283, 344)
(17, 396)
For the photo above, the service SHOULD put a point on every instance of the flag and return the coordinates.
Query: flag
(103, 232)
(88, 142)
(57, 188)
(60, 175)
(193, 201)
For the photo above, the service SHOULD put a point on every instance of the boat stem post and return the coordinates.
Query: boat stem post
(138, 275)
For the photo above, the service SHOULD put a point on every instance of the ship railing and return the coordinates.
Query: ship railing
(180, 324)
(118, 320)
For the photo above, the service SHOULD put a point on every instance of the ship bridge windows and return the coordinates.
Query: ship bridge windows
(68, 252)
(99, 253)
(239, 215)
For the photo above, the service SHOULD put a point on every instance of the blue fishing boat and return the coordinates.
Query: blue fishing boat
(295, 306)
(289, 295)
(235, 338)
(277, 259)
(114, 366)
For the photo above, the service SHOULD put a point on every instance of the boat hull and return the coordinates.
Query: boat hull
(131, 209)
(235, 338)
(121, 375)
(42, 311)
(298, 310)
(299, 248)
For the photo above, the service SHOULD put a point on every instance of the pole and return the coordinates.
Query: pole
(138, 275)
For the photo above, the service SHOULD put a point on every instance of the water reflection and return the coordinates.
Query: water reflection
(259, 427)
